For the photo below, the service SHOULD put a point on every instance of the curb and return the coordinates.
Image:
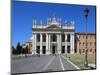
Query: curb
(71, 63)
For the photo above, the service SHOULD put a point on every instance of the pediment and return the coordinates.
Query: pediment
(53, 27)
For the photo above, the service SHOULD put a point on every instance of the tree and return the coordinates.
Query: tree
(13, 50)
(19, 48)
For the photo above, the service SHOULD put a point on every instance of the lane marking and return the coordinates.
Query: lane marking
(71, 63)
(62, 66)
(48, 63)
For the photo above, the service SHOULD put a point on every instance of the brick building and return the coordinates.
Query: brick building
(80, 43)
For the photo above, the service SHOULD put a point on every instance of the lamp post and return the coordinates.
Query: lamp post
(86, 12)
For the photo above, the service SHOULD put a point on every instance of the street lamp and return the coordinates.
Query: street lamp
(86, 12)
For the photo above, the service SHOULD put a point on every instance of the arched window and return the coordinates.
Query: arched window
(90, 50)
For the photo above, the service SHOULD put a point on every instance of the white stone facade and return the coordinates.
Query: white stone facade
(53, 38)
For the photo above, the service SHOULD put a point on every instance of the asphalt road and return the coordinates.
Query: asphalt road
(41, 64)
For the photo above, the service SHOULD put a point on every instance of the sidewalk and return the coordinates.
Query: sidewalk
(92, 65)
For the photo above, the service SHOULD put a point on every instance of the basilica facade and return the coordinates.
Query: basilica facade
(54, 37)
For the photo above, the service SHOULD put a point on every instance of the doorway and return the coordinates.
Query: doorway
(38, 49)
(63, 49)
(44, 50)
(53, 49)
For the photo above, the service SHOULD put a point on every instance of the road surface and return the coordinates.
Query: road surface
(41, 64)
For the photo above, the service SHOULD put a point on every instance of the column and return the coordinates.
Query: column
(60, 39)
(59, 43)
(34, 43)
(41, 44)
(72, 43)
(65, 43)
(47, 44)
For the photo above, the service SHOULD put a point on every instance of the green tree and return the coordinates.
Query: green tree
(19, 48)
(13, 50)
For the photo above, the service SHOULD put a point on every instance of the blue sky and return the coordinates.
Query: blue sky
(23, 14)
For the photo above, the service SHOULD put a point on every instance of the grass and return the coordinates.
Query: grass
(78, 59)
